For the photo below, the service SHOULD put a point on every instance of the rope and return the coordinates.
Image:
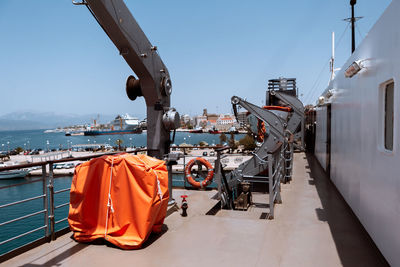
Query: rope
(109, 203)
(260, 159)
(158, 181)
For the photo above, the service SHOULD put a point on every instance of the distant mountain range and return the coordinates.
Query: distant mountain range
(47, 120)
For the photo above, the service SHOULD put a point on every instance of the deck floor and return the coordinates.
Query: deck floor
(313, 227)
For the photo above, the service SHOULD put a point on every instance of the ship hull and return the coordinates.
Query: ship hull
(91, 133)
(14, 174)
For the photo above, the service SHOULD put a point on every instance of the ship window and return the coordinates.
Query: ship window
(389, 102)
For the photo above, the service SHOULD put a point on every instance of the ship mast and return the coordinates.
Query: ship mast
(353, 20)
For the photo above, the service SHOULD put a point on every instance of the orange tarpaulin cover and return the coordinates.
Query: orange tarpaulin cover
(121, 198)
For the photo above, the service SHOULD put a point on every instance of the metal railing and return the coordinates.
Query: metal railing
(49, 193)
(275, 173)
(48, 196)
(278, 166)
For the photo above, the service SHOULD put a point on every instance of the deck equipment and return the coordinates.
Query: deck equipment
(189, 172)
(271, 162)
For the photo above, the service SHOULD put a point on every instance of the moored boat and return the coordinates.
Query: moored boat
(214, 131)
(197, 130)
(13, 174)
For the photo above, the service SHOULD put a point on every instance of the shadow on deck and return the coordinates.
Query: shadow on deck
(354, 245)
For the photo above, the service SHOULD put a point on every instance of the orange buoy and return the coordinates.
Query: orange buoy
(189, 177)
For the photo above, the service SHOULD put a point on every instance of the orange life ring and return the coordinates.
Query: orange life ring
(189, 177)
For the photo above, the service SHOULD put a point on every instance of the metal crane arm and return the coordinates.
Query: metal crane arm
(131, 42)
(154, 82)
(257, 163)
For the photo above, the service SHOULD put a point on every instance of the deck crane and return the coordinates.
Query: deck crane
(153, 81)
(267, 165)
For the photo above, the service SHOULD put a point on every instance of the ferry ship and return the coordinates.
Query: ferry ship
(124, 124)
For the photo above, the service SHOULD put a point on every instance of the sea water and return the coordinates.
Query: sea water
(31, 139)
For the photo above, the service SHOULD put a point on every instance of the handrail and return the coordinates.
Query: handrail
(222, 148)
(41, 163)
(62, 205)
(21, 201)
(216, 148)
(19, 184)
(21, 235)
(62, 190)
(22, 166)
(22, 217)
(49, 193)
(66, 218)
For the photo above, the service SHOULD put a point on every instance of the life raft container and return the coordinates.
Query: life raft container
(189, 177)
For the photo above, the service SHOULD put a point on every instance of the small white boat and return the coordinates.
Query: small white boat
(13, 174)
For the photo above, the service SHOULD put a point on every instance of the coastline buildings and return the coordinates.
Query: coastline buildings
(211, 121)
(220, 122)
(225, 122)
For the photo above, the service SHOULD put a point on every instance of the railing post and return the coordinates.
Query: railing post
(280, 174)
(291, 161)
(51, 190)
(171, 200)
(270, 186)
(45, 200)
(184, 166)
(218, 172)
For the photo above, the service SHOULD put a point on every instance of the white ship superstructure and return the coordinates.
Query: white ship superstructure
(358, 137)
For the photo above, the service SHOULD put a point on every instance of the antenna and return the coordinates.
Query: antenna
(332, 69)
(353, 23)
(332, 61)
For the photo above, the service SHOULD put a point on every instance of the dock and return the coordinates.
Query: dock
(312, 227)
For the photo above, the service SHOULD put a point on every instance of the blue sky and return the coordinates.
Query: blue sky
(54, 57)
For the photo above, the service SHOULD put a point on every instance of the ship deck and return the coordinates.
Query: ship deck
(313, 227)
